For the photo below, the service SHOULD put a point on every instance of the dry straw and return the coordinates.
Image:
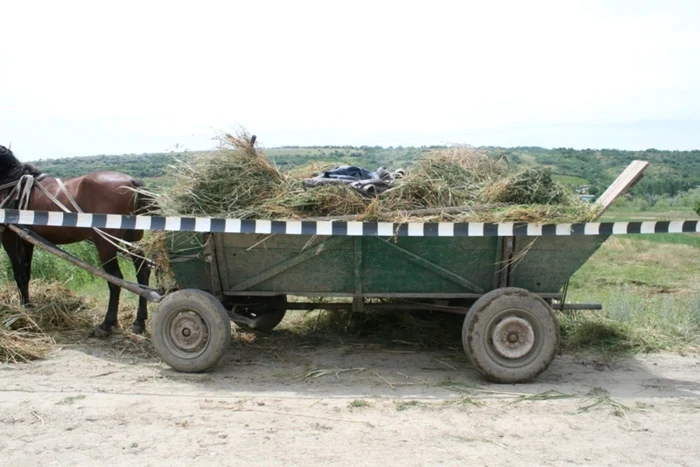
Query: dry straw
(28, 333)
(459, 183)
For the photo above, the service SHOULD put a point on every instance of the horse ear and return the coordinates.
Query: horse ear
(252, 140)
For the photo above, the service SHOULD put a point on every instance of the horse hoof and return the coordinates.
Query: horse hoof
(138, 328)
(99, 332)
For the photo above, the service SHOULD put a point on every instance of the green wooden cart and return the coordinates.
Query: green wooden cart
(506, 287)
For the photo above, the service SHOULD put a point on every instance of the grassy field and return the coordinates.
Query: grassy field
(624, 213)
(570, 180)
(650, 291)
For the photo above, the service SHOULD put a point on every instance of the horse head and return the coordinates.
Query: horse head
(12, 169)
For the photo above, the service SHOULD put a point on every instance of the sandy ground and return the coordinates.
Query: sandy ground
(351, 403)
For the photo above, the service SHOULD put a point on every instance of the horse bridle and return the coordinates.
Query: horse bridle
(18, 196)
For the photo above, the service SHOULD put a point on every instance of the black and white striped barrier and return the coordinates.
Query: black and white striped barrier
(301, 227)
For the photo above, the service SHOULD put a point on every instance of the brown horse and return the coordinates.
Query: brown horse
(97, 192)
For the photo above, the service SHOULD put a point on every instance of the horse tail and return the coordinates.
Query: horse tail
(144, 204)
(144, 201)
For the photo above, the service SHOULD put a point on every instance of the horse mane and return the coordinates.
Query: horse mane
(12, 169)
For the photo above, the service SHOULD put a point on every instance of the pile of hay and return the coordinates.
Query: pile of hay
(445, 178)
(238, 181)
(233, 182)
(28, 333)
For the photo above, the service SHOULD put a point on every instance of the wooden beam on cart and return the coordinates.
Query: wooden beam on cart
(627, 179)
(38, 241)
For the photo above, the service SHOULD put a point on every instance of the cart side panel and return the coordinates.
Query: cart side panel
(370, 265)
(186, 255)
(356, 266)
(548, 262)
(429, 265)
(286, 263)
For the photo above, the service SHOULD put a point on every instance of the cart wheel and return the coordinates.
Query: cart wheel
(191, 330)
(510, 335)
(266, 312)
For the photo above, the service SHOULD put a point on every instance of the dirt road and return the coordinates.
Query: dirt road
(351, 403)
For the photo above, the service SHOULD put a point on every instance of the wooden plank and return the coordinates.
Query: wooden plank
(505, 262)
(358, 302)
(211, 259)
(249, 293)
(222, 269)
(185, 251)
(430, 266)
(545, 265)
(35, 239)
(288, 264)
(468, 257)
(627, 179)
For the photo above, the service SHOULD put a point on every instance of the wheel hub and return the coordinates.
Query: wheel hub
(513, 337)
(188, 332)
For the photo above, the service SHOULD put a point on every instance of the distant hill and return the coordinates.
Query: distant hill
(670, 172)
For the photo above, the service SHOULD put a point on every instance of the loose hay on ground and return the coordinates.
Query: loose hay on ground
(30, 333)
(58, 317)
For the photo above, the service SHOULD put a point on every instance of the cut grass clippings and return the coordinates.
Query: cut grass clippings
(606, 336)
(239, 181)
(28, 333)
(57, 317)
(650, 295)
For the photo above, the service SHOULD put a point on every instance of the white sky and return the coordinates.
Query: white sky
(97, 77)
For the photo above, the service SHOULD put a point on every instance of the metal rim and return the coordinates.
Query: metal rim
(513, 338)
(187, 334)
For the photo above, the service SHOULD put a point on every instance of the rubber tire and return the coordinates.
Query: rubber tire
(475, 337)
(214, 316)
(270, 319)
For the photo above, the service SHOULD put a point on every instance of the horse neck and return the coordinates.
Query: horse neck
(19, 191)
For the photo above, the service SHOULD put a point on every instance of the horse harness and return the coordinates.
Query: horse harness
(19, 196)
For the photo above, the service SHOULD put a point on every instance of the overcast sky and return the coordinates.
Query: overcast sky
(84, 78)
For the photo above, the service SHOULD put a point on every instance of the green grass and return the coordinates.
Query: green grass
(630, 213)
(48, 268)
(650, 292)
(71, 400)
(306, 152)
(359, 404)
(405, 405)
(672, 239)
(570, 180)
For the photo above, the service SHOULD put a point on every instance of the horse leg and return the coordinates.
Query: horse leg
(27, 254)
(143, 271)
(108, 256)
(20, 254)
